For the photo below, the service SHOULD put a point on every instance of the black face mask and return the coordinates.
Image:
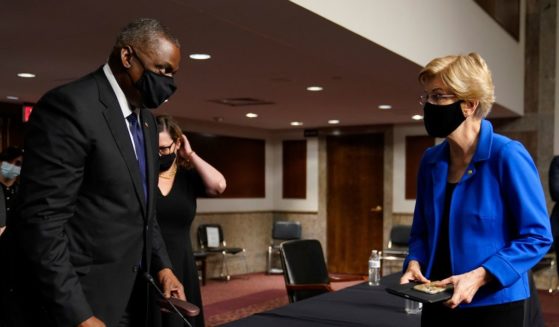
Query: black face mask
(166, 161)
(155, 88)
(440, 121)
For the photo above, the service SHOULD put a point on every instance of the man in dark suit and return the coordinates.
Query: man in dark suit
(554, 194)
(86, 223)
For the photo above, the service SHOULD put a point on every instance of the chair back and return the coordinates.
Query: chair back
(286, 230)
(210, 236)
(303, 263)
(399, 236)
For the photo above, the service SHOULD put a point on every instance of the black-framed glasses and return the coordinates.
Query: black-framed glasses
(163, 150)
(434, 98)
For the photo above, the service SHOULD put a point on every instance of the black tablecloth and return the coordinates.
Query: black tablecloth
(359, 305)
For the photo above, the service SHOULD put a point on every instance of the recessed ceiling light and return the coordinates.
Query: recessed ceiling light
(296, 123)
(11, 97)
(26, 75)
(315, 88)
(200, 56)
(384, 107)
(417, 117)
(251, 115)
(333, 121)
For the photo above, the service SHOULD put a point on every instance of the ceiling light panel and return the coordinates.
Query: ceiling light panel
(200, 56)
(26, 75)
(315, 88)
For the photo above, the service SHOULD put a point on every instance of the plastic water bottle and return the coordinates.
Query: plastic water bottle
(374, 268)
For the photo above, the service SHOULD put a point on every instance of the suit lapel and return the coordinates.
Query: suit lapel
(151, 144)
(117, 125)
(3, 213)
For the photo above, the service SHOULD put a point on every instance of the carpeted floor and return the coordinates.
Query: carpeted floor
(248, 294)
(229, 310)
(245, 295)
(550, 308)
(242, 296)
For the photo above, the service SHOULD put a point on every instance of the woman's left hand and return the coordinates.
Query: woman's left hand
(465, 286)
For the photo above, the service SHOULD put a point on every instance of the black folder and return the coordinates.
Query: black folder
(407, 291)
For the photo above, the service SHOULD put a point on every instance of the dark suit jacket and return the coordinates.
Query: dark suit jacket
(554, 193)
(84, 225)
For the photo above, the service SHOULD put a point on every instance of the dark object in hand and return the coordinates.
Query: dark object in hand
(186, 308)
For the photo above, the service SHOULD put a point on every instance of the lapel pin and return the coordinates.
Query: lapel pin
(146, 124)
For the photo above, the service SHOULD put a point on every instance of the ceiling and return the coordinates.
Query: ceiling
(265, 50)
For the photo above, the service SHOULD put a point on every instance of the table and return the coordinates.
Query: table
(359, 305)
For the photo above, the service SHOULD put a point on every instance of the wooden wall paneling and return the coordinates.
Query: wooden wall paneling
(241, 160)
(415, 147)
(12, 127)
(294, 169)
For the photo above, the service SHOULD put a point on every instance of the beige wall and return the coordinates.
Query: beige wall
(253, 232)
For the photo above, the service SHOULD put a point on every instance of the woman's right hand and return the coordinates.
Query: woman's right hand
(413, 273)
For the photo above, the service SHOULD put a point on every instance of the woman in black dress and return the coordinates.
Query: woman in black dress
(183, 177)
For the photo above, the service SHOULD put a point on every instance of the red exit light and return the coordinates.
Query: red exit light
(27, 109)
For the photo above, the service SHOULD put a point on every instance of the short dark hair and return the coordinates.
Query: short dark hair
(11, 153)
(144, 32)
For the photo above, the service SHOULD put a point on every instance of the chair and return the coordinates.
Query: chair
(281, 231)
(397, 249)
(211, 240)
(305, 272)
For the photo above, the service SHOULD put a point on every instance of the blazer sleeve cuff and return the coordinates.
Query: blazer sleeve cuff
(502, 270)
(160, 262)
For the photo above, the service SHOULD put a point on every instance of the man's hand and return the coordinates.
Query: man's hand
(92, 322)
(465, 286)
(170, 284)
(2, 229)
(413, 273)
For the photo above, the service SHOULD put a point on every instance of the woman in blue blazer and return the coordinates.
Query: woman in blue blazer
(480, 220)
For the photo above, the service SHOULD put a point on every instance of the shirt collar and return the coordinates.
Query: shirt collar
(122, 101)
(484, 142)
(483, 147)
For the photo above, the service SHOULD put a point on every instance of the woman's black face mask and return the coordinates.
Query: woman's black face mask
(442, 120)
(166, 161)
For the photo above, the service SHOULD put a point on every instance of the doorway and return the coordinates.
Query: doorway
(355, 172)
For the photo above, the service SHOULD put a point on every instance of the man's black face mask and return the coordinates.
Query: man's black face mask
(154, 88)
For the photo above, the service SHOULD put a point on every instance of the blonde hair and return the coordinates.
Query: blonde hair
(468, 77)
